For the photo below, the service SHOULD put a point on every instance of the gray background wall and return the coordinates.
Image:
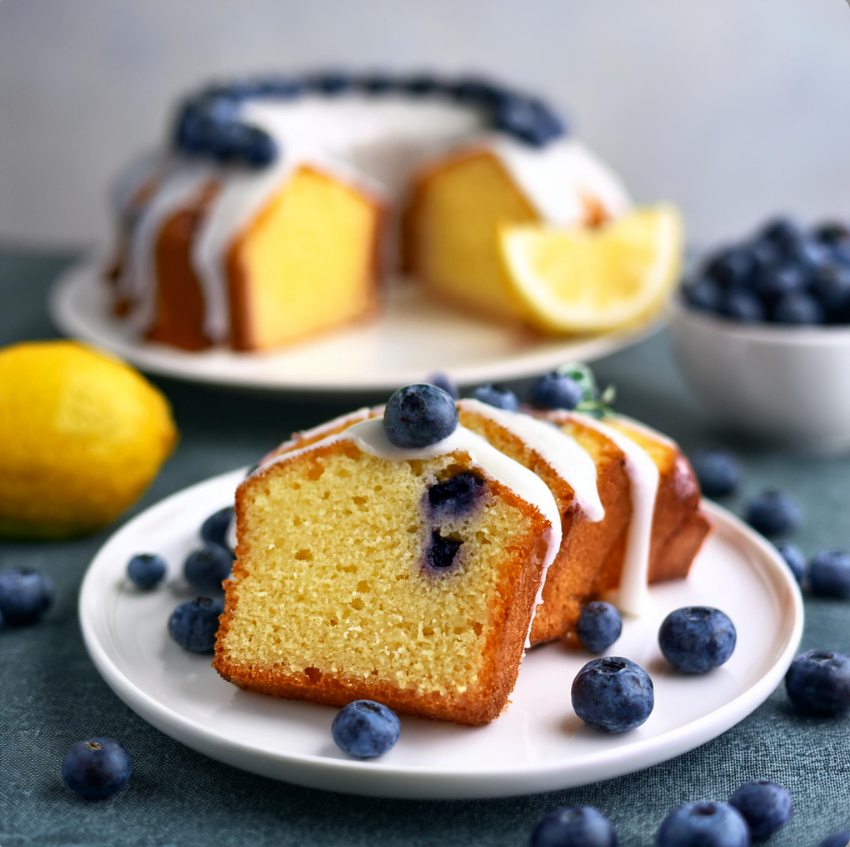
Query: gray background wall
(732, 108)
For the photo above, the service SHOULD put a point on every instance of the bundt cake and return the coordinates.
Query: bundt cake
(281, 203)
(407, 576)
(621, 499)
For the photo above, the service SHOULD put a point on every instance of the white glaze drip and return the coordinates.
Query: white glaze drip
(560, 451)
(179, 186)
(632, 595)
(370, 436)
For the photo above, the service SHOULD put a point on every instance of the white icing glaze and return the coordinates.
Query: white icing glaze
(179, 185)
(372, 142)
(560, 451)
(557, 179)
(632, 595)
(370, 436)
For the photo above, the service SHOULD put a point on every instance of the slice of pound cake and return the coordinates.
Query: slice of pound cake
(399, 559)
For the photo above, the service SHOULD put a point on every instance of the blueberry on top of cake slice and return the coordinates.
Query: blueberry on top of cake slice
(405, 575)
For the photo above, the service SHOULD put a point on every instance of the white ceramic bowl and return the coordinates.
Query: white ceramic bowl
(788, 386)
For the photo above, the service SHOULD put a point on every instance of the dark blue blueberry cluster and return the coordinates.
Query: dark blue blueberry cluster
(441, 552)
(208, 122)
(456, 496)
(784, 274)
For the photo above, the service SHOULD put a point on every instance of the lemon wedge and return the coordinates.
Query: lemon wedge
(594, 280)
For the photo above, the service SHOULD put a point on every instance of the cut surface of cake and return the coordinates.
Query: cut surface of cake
(265, 219)
(407, 576)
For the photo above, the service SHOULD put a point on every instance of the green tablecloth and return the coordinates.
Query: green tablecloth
(51, 695)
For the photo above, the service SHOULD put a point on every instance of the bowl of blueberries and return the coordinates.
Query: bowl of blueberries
(761, 331)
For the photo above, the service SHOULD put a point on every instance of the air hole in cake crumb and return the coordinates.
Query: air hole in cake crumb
(427, 631)
(313, 674)
(359, 501)
(459, 630)
(477, 628)
(304, 555)
(296, 521)
(378, 488)
(482, 538)
(358, 604)
(315, 471)
(347, 512)
(363, 587)
(416, 466)
(343, 473)
(413, 528)
(296, 486)
(326, 495)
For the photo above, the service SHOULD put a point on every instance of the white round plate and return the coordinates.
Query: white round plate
(413, 337)
(538, 744)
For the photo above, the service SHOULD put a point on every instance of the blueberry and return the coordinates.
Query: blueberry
(25, 595)
(717, 470)
(477, 90)
(831, 288)
(442, 551)
(829, 574)
(704, 825)
(783, 233)
(556, 391)
(96, 769)
(613, 694)
(378, 83)
(840, 839)
(831, 233)
(457, 495)
(574, 826)
(227, 141)
(421, 84)
(331, 82)
(497, 396)
(818, 683)
(258, 149)
(146, 570)
(284, 87)
(703, 294)
(444, 381)
(793, 558)
(744, 306)
(773, 513)
(215, 528)
(529, 120)
(697, 639)
(419, 415)
(799, 308)
(764, 805)
(735, 266)
(194, 624)
(775, 281)
(206, 568)
(599, 626)
(365, 729)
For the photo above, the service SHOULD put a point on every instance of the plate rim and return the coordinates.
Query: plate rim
(378, 778)
(148, 356)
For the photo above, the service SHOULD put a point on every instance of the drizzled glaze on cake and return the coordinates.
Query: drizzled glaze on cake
(374, 141)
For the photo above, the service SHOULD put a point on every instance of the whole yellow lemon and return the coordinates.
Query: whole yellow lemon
(82, 435)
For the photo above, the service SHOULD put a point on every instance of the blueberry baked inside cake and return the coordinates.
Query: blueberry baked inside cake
(415, 570)
(280, 203)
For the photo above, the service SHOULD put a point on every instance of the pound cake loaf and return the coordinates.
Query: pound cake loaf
(279, 203)
(404, 575)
